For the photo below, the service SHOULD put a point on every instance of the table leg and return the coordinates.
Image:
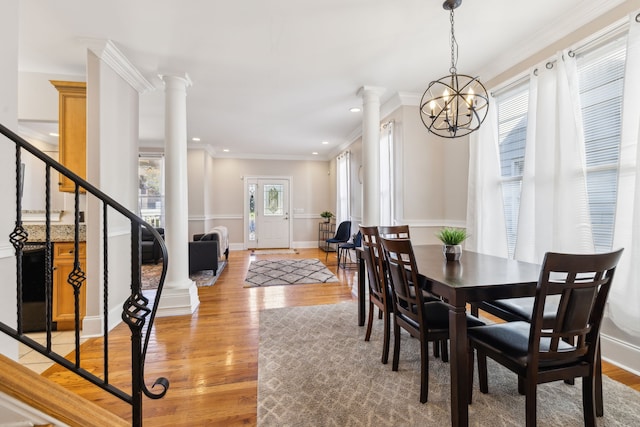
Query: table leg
(459, 365)
(361, 291)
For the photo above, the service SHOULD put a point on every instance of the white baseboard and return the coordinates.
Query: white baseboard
(92, 326)
(178, 301)
(620, 353)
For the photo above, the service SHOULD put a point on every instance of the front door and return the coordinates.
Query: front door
(271, 210)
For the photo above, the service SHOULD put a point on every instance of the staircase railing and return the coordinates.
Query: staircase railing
(137, 313)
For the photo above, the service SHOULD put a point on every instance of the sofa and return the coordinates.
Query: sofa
(207, 250)
(151, 252)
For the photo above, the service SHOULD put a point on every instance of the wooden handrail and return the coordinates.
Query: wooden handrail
(52, 399)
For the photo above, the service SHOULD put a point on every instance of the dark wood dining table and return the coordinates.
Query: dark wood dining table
(476, 277)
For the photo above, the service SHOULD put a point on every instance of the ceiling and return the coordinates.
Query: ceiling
(274, 79)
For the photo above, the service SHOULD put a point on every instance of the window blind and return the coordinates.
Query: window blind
(601, 84)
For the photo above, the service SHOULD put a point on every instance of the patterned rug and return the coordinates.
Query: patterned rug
(273, 272)
(315, 369)
(151, 275)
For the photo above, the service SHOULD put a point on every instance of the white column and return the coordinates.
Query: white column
(371, 153)
(180, 294)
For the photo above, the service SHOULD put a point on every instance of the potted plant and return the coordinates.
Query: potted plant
(326, 215)
(452, 239)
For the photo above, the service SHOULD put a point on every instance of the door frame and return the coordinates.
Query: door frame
(254, 178)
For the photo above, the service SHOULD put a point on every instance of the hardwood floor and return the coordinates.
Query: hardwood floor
(211, 357)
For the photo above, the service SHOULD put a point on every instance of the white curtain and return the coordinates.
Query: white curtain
(485, 214)
(343, 212)
(554, 209)
(624, 300)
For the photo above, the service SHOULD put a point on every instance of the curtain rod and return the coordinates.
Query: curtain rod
(614, 30)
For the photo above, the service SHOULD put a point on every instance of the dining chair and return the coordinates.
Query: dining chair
(379, 290)
(345, 248)
(543, 351)
(425, 320)
(343, 234)
(394, 231)
(402, 232)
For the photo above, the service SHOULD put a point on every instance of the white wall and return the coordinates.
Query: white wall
(112, 166)
(8, 118)
(225, 188)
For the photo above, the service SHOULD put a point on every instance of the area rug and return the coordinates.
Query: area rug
(315, 369)
(272, 272)
(151, 275)
(273, 251)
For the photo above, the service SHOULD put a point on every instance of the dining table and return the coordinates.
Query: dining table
(475, 277)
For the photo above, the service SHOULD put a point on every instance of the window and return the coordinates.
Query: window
(151, 189)
(386, 175)
(512, 134)
(601, 80)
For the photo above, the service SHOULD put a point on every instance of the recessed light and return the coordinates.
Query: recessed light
(195, 139)
(226, 150)
(53, 134)
(354, 109)
(315, 153)
(325, 142)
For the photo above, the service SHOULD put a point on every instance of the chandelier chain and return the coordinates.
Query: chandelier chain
(454, 47)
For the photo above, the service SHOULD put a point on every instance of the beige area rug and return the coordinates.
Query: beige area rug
(151, 275)
(273, 272)
(315, 369)
(273, 251)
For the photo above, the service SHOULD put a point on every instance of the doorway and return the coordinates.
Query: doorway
(267, 209)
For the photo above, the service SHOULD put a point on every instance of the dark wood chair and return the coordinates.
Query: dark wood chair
(394, 231)
(402, 232)
(565, 348)
(343, 234)
(425, 320)
(379, 290)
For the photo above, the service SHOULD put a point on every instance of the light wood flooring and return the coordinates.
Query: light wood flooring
(211, 357)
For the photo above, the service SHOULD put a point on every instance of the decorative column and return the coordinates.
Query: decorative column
(371, 153)
(180, 294)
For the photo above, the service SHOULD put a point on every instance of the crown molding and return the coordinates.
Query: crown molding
(554, 31)
(107, 51)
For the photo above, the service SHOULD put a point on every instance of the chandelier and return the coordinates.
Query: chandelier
(457, 104)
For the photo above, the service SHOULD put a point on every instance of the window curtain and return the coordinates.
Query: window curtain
(624, 299)
(485, 215)
(554, 210)
(343, 212)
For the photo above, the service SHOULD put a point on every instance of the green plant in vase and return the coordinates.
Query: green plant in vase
(326, 215)
(452, 239)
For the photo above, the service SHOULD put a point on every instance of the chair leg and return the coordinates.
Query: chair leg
(445, 351)
(396, 346)
(588, 401)
(531, 404)
(436, 349)
(424, 370)
(367, 336)
(483, 380)
(598, 385)
(387, 337)
(470, 359)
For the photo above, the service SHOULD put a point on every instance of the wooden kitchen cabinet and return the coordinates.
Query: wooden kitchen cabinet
(72, 124)
(63, 295)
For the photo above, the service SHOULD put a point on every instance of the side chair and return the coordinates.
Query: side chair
(425, 320)
(343, 234)
(379, 290)
(345, 248)
(563, 348)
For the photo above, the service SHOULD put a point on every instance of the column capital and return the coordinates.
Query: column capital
(366, 91)
(184, 79)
